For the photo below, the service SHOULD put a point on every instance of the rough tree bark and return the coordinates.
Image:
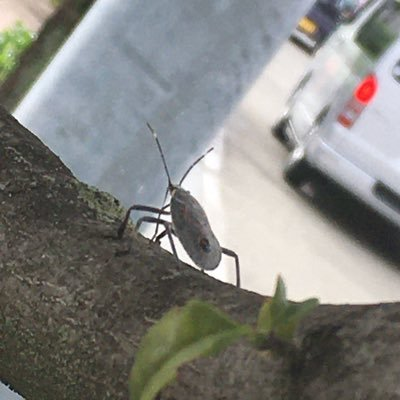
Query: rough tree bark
(73, 307)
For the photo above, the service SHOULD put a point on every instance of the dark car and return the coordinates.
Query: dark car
(322, 19)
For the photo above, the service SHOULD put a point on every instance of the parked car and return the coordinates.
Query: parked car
(343, 119)
(322, 19)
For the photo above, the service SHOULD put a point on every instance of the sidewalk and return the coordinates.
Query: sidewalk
(31, 12)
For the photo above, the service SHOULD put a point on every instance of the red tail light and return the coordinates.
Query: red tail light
(362, 96)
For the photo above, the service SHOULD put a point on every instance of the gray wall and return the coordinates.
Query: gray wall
(181, 65)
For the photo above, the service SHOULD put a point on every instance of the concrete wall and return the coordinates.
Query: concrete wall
(180, 65)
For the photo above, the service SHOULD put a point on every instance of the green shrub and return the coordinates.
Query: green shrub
(13, 42)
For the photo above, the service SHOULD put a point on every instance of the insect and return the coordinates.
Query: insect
(189, 223)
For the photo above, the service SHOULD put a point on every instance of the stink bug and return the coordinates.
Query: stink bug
(189, 223)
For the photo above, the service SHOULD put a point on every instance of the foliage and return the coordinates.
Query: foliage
(13, 42)
(280, 317)
(198, 330)
(56, 3)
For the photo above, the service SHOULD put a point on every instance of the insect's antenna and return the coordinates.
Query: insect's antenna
(161, 152)
(196, 162)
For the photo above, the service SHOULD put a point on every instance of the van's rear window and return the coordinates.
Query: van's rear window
(379, 32)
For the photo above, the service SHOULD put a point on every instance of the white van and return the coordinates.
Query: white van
(343, 119)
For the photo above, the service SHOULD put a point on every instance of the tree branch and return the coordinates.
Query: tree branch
(73, 310)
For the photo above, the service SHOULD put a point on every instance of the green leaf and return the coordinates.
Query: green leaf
(273, 310)
(280, 291)
(183, 334)
(264, 323)
(294, 313)
(12, 43)
(281, 317)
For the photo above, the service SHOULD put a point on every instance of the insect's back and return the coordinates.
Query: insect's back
(193, 230)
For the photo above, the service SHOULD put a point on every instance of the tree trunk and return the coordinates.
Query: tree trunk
(75, 301)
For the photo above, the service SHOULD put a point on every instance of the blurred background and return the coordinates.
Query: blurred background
(215, 73)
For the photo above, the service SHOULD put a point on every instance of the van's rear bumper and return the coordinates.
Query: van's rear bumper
(331, 164)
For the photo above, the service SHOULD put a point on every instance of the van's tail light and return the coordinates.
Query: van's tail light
(362, 96)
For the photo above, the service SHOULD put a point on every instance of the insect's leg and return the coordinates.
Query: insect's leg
(162, 208)
(236, 257)
(160, 236)
(154, 237)
(168, 230)
(137, 207)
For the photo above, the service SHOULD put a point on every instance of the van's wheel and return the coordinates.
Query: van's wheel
(297, 172)
(278, 131)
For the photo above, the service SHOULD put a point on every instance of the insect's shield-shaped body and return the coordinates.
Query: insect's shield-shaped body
(191, 225)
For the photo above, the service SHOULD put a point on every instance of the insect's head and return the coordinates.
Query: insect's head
(173, 188)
